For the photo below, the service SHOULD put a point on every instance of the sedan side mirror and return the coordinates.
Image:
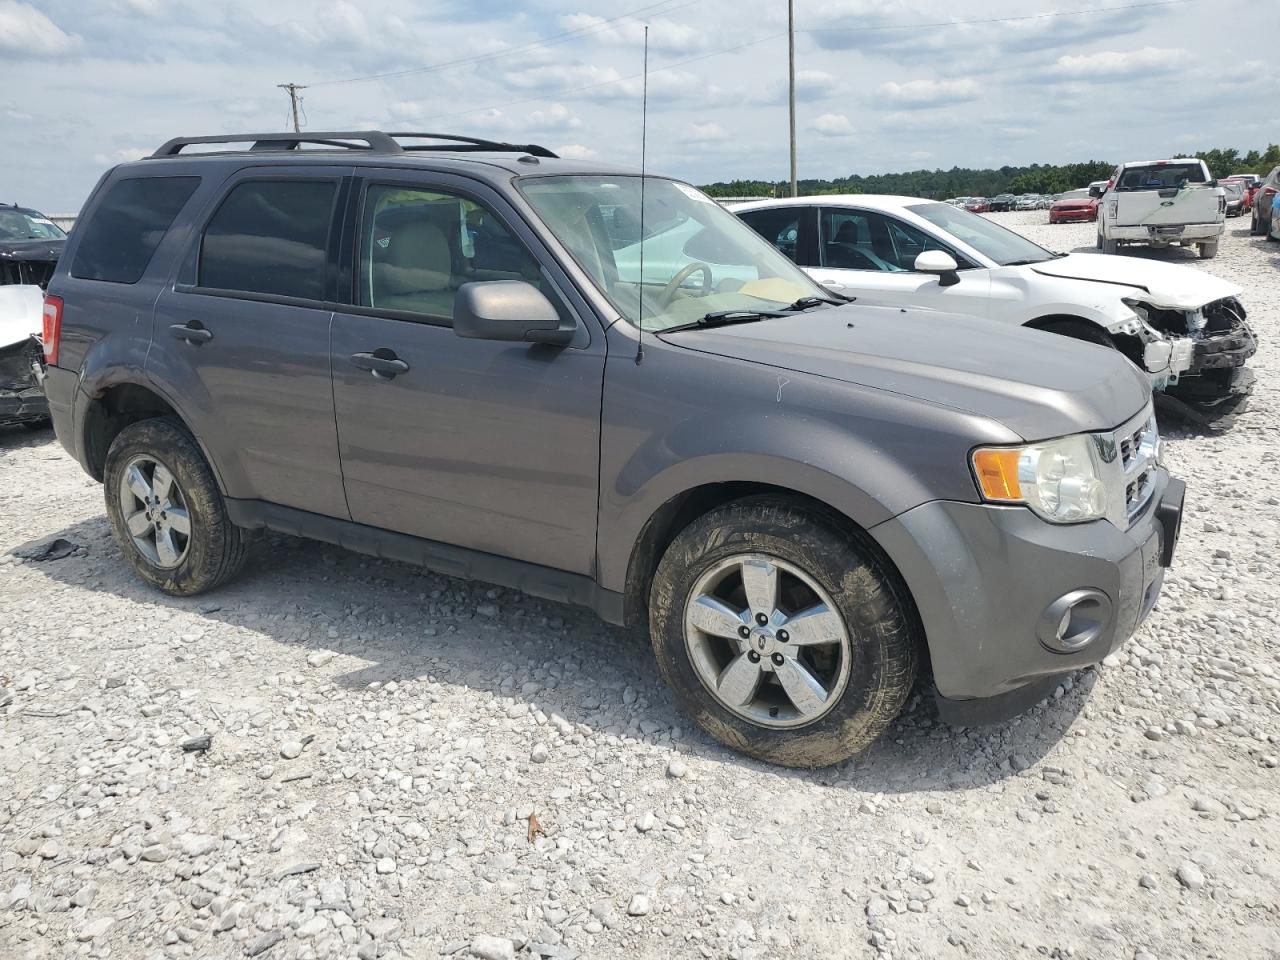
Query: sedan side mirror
(508, 310)
(943, 264)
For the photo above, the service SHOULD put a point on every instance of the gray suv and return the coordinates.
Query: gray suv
(601, 388)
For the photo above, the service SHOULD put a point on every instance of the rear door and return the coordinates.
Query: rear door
(243, 336)
(492, 446)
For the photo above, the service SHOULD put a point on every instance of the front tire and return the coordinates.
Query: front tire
(1109, 246)
(783, 635)
(166, 510)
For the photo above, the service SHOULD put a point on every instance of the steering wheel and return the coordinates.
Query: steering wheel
(669, 291)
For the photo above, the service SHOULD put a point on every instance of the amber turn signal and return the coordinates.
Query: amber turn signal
(997, 471)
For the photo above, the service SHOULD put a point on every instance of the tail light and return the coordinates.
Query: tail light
(52, 333)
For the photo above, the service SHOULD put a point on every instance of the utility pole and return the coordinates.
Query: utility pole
(791, 85)
(292, 89)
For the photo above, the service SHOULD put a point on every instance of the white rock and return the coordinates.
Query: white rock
(486, 947)
(539, 753)
(639, 906)
(94, 929)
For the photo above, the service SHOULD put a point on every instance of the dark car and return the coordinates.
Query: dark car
(1233, 196)
(1263, 200)
(30, 244)
(1074, 206)
(438, 350)
(1003, 203)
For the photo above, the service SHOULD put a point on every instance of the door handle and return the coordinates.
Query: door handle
(192, 332)
(383, 367)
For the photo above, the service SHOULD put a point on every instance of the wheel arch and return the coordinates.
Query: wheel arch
(1061, 323)
(674, 515)
(115, 407)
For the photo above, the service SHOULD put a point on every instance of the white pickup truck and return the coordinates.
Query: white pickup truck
(1161, 203)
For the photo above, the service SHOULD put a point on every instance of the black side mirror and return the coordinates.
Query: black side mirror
(1095, 192)
(508, 310)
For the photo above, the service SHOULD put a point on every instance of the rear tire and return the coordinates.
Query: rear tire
(1110, 246)
(1253, 224)
(160, 461)
(864, 678)
(1208, 250)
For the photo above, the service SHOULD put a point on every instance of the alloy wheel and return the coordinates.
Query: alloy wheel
(767, 641)
(155, 513)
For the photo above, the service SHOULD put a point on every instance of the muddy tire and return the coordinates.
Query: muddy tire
(1209, 250)
(166, 510)
(1109, 246)
(823, 568)
(1253, 224)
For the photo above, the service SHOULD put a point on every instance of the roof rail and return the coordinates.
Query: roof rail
(373, 141)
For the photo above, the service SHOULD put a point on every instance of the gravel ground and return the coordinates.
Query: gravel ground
(402, 764)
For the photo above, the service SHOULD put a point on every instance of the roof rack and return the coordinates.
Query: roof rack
(372, 141)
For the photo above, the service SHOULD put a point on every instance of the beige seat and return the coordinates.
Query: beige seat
(415, 270)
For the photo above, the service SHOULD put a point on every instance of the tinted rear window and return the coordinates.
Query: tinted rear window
(269, 236)
(118, 241)
(1161, 176)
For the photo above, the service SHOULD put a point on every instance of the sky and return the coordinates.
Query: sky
(882, 85)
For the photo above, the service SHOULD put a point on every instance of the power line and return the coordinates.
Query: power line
(499, 54)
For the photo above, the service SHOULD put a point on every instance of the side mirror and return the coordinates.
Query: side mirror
(936, 261)
(508, 310)
(1095, 192)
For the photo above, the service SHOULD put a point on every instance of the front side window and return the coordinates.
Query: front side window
(270, 237)
(704, 259)
(122, 233)
(990, 239)
(417, 247)
(27, 225)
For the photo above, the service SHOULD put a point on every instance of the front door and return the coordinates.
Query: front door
(871, 256)
(487, 445)
(243, 337)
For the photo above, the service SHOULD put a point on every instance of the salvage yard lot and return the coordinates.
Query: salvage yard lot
(380, 736)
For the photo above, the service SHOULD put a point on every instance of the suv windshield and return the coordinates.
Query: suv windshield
(698, 258)
(27, 225)
(1160, 176)
(990, 239)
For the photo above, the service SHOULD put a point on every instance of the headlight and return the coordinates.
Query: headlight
(1060, 480)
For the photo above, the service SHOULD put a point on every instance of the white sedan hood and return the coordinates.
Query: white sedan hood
(21, 313)
(1167, 285)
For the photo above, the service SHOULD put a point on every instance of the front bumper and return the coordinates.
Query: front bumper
(1070, 216)
(983, 577)
(22, 398)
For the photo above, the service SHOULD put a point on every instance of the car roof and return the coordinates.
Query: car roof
(867, 201)
(1154, 163)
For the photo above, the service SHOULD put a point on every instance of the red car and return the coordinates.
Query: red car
(1074, 206)
(977, 205)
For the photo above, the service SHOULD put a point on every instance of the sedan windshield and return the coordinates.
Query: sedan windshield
(27, 225)
(698, 258)
(990, 239)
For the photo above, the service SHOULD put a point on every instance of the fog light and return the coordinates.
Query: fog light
(1074, 620)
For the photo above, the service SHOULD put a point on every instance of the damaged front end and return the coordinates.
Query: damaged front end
(1195, 356)
(22, 398)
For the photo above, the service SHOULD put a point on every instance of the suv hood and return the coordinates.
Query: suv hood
(35, 250)
(1166, 285)
(1036, 384)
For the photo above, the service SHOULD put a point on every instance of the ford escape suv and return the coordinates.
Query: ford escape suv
(495, 362)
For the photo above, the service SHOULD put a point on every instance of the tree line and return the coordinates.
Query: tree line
(968, 182)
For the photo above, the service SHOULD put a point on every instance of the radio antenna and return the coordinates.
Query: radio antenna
(644, 128)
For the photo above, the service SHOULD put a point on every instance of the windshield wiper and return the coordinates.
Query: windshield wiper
(835, 300)
(1029, 260)
(723, 318)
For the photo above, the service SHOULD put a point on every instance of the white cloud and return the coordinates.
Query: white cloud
(929, 93)
(123, 155)
(664, 35)
(703, 133)
(26, 32)
(556, 117)
(834, 125)
(1110, 64)
(575, 151)
(811, 85)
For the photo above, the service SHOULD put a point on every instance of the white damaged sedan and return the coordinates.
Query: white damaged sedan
(1185, 328)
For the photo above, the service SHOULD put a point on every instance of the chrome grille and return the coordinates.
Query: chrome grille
(1139, 456)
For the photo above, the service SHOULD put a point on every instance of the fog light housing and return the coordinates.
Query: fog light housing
(1074, 620)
